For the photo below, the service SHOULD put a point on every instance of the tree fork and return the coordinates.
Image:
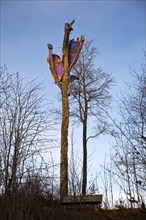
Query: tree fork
(65, 103)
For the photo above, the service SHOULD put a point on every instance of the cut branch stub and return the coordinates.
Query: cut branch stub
(67, 29)
(82, 38)
(50, 47)
(77, 53)
(68, 26)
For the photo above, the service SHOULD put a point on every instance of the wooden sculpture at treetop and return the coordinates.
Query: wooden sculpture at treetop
(60, 70)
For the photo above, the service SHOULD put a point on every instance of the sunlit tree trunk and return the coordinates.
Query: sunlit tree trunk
(65, 122)
(65, 103)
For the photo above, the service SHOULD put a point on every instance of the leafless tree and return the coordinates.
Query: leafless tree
(108, 182)
(24, 133)
(63, 85)
(89, 97)
(130, 139)
(75, 167)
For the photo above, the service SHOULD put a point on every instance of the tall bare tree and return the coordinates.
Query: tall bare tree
(130, 139)
(89, 97)
(23, 126)
(63, 85)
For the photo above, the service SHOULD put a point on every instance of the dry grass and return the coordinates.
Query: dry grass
(53, 210)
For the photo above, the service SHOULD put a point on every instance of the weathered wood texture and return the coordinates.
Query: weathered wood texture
(63, 85)
(65, 119)
(77, 54)
(50, 47)
(65, 111)
(87, 199)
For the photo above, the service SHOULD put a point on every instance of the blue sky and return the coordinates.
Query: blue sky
(118, 29)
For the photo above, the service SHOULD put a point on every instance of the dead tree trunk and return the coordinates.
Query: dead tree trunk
(65, 119)
(63, 85)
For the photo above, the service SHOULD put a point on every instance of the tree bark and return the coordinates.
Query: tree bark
(65, 121)
(84, 180)
(50, 47)
(65, 104)
(64, 141)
